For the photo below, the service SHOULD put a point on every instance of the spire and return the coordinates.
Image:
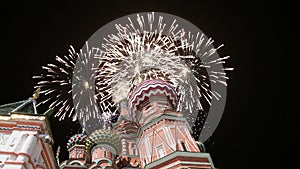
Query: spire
(32, 99)
(57, 154)
(83, 130)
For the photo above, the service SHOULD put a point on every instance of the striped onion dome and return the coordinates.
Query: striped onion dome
(79, 139)
(104, 137)
(151, 87)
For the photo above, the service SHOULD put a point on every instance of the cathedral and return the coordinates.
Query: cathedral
(149, 134)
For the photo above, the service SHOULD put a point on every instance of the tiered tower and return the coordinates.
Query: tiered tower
(127, 130)
(164, 137)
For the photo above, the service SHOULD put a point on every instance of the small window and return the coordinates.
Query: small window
(104, 153)
(183, 146)
(136, 152)
(160, 151)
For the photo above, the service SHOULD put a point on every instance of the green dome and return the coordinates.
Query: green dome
(79, 139)
(104, 136)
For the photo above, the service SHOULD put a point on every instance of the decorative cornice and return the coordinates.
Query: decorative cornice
(182, 154)
(6, 128)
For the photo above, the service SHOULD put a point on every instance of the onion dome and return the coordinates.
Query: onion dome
(150, 88)
(79, 139)
(104, 137)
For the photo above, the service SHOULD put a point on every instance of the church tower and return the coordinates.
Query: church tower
(78, 154)
(127, 130)
(164, 137)
(104, 146)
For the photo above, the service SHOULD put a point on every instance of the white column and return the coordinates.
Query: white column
(124, 146)
(27, 148)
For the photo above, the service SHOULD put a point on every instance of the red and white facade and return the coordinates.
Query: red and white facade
(149, 133)
(22, 144)
(164, 137)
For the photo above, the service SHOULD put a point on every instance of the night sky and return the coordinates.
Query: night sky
(253, 132)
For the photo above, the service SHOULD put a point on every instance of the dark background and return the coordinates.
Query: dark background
(255, 128)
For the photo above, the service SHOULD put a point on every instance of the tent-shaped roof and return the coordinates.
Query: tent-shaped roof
(24, 106)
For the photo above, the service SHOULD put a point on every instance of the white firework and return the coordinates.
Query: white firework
(56, 85)
(145, 48)
(149, 51)
(68, 85)
(83, 84)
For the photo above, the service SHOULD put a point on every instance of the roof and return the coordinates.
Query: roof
(24, 106)
(149, 88)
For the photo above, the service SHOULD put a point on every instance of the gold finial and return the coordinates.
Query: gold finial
(57, 151)
(140, 79)
(137, 79)
(57, 154)
(36, 93)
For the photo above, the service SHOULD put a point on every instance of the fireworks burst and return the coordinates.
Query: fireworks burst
(56, 84)
(149, 51)
(98, 79)
(132, 56)
(83, 84)
(62, 89)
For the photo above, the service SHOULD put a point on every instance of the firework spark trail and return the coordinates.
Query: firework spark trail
(83, 84)
(149, 51)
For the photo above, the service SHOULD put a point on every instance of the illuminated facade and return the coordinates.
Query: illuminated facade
(148, 134)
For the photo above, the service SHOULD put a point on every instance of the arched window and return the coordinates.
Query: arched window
(201, 147)
(183, 146)
(104, 153)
